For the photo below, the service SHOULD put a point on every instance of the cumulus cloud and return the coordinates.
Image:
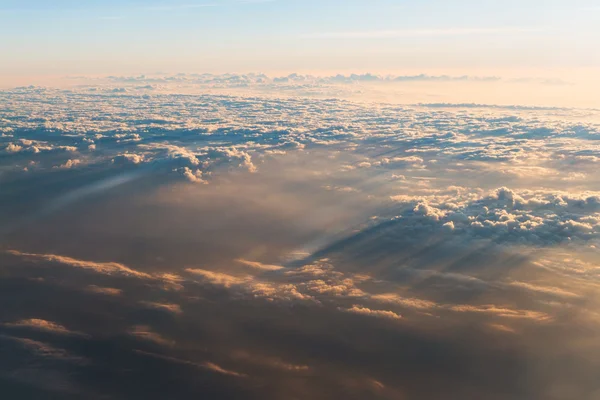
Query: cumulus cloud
(243, 156)
(104, 290)
(70, 164)
(172, 308)
(127, 158)
(253, 287)
(46, 350)
(537, 217)
(545, 289)
(13, 148)
(501, 312)
(271, 362)
(193, 176)
(174, 152)
(217, 368)
(219, 278)
(259, 265)
(393, 298)
(146, 333)
(108, 268)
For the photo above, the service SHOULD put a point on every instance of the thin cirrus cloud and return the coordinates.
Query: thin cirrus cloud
(410, 33)
(162, 7)
(174, 7)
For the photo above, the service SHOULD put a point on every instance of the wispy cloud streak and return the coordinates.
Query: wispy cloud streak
(410, 33)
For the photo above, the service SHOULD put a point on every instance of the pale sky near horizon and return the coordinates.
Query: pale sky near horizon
(66, 37)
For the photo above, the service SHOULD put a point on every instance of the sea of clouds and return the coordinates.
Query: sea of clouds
(157, 244)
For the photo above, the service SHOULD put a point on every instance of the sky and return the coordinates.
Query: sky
(68, 37)
(311, 200)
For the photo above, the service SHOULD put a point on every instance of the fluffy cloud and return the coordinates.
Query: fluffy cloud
(13, 148)
(193, 176)
(128, 158)
(537, 217)
(70, 164)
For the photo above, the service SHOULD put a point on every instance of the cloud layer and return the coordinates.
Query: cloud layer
(159, 245)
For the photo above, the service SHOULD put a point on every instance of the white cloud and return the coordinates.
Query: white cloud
(70, 164)
(13, 148)
(193, 176)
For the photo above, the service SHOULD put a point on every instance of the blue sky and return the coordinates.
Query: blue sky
(110, 36)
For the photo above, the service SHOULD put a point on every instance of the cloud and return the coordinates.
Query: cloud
(259, 266)
(193, 176)
(542, 218)
(127, 158)
(13, 148)
(344, 287)
(545, 289)
(373, 313)
(42, 325)
(70, 164)
(174, 152)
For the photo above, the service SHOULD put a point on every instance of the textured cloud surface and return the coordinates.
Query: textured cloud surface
(160, 245)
